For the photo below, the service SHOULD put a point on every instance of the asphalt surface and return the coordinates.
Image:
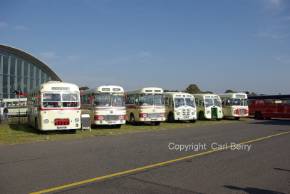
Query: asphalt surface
(265, 168)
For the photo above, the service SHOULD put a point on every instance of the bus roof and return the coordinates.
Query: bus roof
(147, 90)
(109, 89)
(205, 94)
(58, 86)
(269, 97)
(179, 94)
(235, 95)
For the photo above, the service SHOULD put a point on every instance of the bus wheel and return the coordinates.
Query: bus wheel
(258, 116)
(72, 131)
(237, 118)
(170, 118)
(201, 115)
(157, 123)
(132, 119)
(118, 126)
(193, 121)
(36, 123)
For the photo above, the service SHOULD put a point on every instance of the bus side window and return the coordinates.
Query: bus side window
(228, 102)
(171, 102)
(90, 99)
(83, 97)
(126, 99)
(136, 100)
(130, 99)
(167, 103)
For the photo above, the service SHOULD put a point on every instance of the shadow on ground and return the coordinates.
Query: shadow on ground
(28, 129)
(280, 122)
(252, 190)
(282, 169)
(24, 128)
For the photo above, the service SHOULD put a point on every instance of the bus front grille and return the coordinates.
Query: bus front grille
(154, 115)
(111, 117)
(243, 111)
(185, 112)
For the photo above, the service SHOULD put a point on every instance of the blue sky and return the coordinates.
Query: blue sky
(219, 45)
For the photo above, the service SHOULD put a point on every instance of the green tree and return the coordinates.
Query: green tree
(251, 93)
(229, 91)
(193, 89)
(170, 90)
(84, 88)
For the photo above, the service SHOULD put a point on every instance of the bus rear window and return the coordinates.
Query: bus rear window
(50, 97)
(70, 97)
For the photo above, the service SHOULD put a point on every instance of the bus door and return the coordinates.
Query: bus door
(214, 112)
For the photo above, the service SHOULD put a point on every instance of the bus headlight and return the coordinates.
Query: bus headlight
(77, 120)
(143, 115)
(122, 117)
(45, 121)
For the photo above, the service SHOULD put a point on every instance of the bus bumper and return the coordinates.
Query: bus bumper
(160, 119)
(185, 118)
(106, 122)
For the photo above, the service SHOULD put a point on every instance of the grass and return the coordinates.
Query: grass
(23, 133)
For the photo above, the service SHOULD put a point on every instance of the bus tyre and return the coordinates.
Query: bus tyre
(157, 123)
(36, 124)
(72, 131)
(170, 118)
(118, 126)
(193, 121)
(201, 115)
(237, 118)
(258, 116)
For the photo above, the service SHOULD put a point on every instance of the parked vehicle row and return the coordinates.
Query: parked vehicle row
(58, 106)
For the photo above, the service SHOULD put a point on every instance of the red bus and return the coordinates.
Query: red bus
(269, 106)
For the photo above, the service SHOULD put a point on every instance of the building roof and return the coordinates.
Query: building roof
(31, 59)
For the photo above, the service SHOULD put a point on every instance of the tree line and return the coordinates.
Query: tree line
(193, 89)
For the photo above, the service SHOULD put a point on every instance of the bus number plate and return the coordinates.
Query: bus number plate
(61, 127)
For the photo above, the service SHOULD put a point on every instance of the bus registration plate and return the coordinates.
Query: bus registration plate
(61, 127)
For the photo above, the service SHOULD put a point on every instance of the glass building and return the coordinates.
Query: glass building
(19, 71)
